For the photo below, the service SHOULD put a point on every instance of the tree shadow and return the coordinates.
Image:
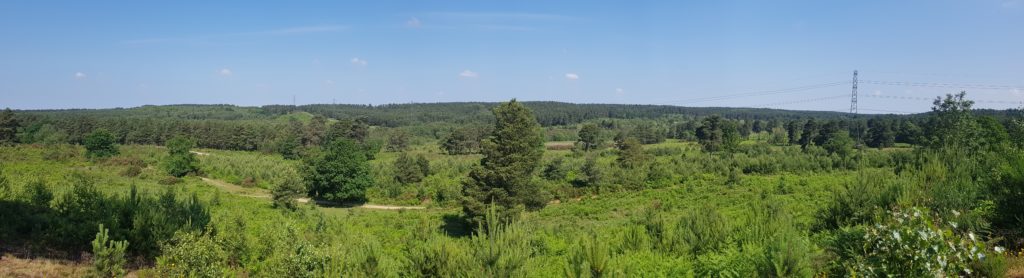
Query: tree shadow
(456, 226)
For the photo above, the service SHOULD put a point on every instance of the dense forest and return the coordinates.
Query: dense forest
(513, 189)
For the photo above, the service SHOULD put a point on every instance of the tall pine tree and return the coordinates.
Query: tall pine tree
(504, 177)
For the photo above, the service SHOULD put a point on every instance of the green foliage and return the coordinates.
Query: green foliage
(500, 246)
(914, 244)
(398, 141)
(100, 144)
(191, 255)
(285, 193)
(590, 258)
(718, 134)
(464, 140)
(411, 169)
(858, 202)
(340, 173)
(8, 127)
(504, 177)
(108, 257)
(180, 161)
(631, 154)
(589, 136)
(703, 230)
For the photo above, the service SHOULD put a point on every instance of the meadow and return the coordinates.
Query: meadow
(666, 208)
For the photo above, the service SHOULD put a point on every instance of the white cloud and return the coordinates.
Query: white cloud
(80, 75)
(358, 62)
(572, 76)
(619, 91)
(328, 82)
(224, 72)
(469, 74)
(876, 93)
(413, 23)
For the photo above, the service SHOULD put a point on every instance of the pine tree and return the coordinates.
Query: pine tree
(589, 135)
(108, 256)
(8, 127)
(504, 177)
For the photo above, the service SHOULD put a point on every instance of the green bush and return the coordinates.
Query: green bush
(191, 255)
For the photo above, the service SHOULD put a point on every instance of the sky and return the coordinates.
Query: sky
(775, 54)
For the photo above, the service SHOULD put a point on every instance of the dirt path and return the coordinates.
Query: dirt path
(265, 194)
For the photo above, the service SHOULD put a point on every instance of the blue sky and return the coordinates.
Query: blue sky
(99, 54)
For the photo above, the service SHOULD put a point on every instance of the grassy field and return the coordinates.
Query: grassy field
(266, 241)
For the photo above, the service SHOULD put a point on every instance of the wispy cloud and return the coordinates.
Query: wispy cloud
(224, 72)
(1010, 3)
(502, 16)
(469, 74)
(487, 21)
(272, 32)
(572, 76)
(358, 62)
(80, 75)
(413, 23)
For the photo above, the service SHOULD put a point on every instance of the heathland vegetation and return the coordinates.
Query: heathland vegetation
(516, 189)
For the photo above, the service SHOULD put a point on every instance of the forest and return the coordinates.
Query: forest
(511, 189)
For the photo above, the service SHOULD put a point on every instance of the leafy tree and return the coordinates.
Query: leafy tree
(398, 141)
(99, 144)
(108, 255)
(8, 127)
(339, 173)
(779, 136)
(881, 133)
(410, 169)
(315, 131)
(589, 136)
(631, 154)
(285, 193)
(511, 155)
(180, 160)
(951, 123)
(839, 143)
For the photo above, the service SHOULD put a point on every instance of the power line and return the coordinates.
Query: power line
(889, 111)
(944, 85)
(758, 93)
(802, 101)
(932, 99)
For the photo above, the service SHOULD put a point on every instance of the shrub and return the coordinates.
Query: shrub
(589, 258)
(180, 161)
(703, 230)
(100, 144)
(912, 243)
(191, 255)
(131, 171)
(108, 257)
(284, 194)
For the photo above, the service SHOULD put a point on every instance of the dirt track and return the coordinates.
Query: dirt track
(265, 194)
